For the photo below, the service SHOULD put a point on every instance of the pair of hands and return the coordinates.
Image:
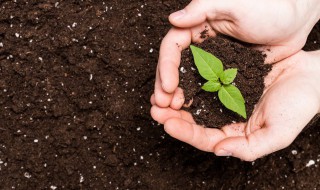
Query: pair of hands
(291, 97)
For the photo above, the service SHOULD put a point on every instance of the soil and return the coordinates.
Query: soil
(206, 107)
(75, 82)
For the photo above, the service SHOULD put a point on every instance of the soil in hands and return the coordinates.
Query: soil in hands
(75, 82)
(206, 107)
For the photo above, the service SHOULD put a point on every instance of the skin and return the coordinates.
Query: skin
(290, 100)
(280, 29)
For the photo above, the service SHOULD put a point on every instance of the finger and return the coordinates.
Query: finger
(161, 115)
(198, 11)
(256, 120)
(162, 98)
(251, 147)
(169, 59)
(152, 100)
(275, 54)
(202, 32)
(202, 138)
(235, 129)
(178, 99)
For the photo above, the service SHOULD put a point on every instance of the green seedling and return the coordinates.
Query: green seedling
(219, 80)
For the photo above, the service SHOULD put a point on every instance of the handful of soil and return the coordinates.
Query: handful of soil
(206, 107)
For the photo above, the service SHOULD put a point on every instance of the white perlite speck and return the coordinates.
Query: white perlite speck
(198, 112)
(53, 187)
(294, 152)
(183, 70)
(81, 178)
(27, 175)
(1, 44)
(310, 163)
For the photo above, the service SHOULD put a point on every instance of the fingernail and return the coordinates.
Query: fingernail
(178, 14)
(223, 152)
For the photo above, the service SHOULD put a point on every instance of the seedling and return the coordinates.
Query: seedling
(219, 80)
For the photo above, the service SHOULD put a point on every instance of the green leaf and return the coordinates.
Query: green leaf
(231, 98)
(228, 76)
(211, 86)
(208, 65)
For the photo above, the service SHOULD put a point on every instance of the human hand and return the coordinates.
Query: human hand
(282, 27)
(290, 100)
(279, 28)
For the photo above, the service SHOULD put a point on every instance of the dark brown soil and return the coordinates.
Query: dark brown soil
(75, 82)
(206, 107)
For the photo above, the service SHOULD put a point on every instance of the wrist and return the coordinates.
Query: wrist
(317, 9)
(314, 6)
(310, 10)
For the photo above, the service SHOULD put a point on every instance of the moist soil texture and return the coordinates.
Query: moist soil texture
(75, 82)
(206, 107)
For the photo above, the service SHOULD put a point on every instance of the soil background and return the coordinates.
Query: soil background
(75, 82)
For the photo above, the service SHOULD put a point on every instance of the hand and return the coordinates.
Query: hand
(280, 28)
(290, 100)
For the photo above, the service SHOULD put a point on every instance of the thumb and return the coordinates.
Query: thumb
(197, 12)
(253, 146)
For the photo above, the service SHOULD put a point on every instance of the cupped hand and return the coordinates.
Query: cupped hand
(279, 28)
(290, 100)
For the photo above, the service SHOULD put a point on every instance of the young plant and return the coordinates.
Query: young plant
(219, 80)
